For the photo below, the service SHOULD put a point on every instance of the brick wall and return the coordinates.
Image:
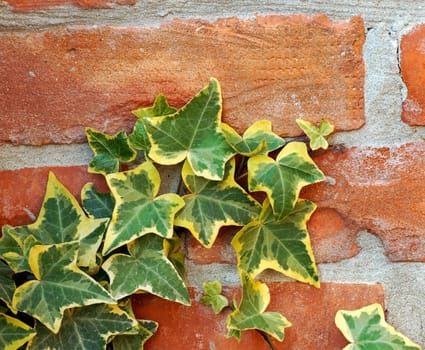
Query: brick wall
(67, 64)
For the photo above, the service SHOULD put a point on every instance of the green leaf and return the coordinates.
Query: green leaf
(137, 337)
(366, 328)
(212, 296)
(59, 285)
(88, 327)
(109, 151)
(7, 284)
(317, 135)
(175, 253)
(13, 333)
(257, 139)
(251, 312)
(193, 132)
(139, 138)
(214, 204)
(283, 179)
(281, 245)
(137, 211)
(97, 204)
(146, 269)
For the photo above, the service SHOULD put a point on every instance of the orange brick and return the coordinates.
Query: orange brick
(22, 191)
(274, 67)
(30, 5)
(310, 310)
(412, 66)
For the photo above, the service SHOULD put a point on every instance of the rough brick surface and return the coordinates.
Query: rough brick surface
(412, 55)
(29, 5)
(377, 189)
(310, 310)
(274, 67)
(22, 191)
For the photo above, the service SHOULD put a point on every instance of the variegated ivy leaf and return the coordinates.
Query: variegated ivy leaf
(139, 138)
(212, 296)
(137, 210)
(213, 204)
(14, 333)
(97, 204)
(283, 179)
(251, 312)
(7, 284)
(109, 151)
(136, 337)
(281, 245)
(193, 132)
(257, 139)
(88, 327)
(145, 269)
(175, 254)
(317, 135)
(366, 328)
(59, 285)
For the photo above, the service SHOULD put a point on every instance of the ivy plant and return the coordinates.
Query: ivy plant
(66, 280)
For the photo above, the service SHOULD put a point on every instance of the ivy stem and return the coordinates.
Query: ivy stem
(267, 339)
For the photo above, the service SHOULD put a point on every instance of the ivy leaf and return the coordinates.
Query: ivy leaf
(281, 245)
(88, 327)
(14, 333)
(283, 179)
(214, 204)
(257, 139)
(7, 284)
(109, 151)
(146, 268)
(317, 135)
(59, 285)
(137, 337)
(139, 138)
(193, 132)
(97, 204)
(251, 312)
(174, 253)
(137, 211)
(366, 328)
(212, 296)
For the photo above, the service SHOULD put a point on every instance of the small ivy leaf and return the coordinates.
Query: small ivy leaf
(283, 179)
(7, 284)
(14, 333)
(88, 327)
(281, 245)
(109, 151)
(251, 312)
(213, 204)
(193, 132)
(212, 296)
(366, 328)
(136, 337)
(137, 210)
(139, 138)
(317, 135)
(174, 253)
(59, 285)
(97, 204)
(147, 269)
(257, 139)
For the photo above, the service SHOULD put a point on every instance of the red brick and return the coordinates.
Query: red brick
(311, 311)
(412, 64)
(22, 191)
(273, 67)
(376, 189)
(30, 5)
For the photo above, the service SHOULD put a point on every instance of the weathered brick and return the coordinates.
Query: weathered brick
(377, 189)
(310, 310)
(412, 64)
(273, 67)
(22, 191)
(30, 5)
